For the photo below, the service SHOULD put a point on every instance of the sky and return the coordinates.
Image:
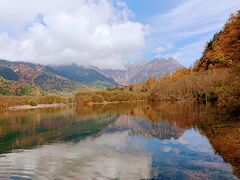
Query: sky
(109, 33)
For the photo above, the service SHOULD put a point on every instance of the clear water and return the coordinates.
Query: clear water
(121, 141)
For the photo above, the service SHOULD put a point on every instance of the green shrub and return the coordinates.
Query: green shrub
(51, 99)
(33, 102)
(110, 96)
(97, 98)
(85, 100)
(4, 89)
(24, 90)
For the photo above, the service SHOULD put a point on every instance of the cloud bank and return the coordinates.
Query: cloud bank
(86, 32)
(106, 33)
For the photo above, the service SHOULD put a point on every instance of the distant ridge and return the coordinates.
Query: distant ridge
(65, 78)
(69, 78)
(140, 72)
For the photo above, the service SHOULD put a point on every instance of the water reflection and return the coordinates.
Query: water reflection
(126, 141)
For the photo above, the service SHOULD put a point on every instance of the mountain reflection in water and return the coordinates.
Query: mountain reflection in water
(122, 141)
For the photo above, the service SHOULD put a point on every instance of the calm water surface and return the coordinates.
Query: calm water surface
(122, 141)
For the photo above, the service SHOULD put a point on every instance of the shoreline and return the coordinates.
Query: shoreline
(113, 102)
(39, 106)
(55, 105)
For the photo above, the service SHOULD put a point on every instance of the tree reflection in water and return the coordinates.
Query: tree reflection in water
(159, 135)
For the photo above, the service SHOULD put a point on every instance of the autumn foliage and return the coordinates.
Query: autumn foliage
(189, 84)
(224, 49)
(111, 95)
(215, 77)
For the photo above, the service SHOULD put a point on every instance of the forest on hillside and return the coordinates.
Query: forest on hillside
(214, 77)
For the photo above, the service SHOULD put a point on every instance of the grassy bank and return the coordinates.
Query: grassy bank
(115, 95)
(9, 101)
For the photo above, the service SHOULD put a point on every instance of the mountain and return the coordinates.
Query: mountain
(156, 68)
(51, 82)
(80, 74)
(141, 72)
(66, 78)
(20, 71)
(122, 77)
(70, 78)
(161, 130)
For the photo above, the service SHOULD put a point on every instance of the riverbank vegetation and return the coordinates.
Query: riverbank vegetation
(108, 96)
(214, 77)
(10, 101)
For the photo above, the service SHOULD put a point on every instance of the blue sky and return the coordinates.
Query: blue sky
(180, 28)
(109, 33)
(145, 9)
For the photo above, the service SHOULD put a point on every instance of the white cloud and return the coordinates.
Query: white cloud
(196, 15)
(86, 32)
(102, 33)
(164, 48)
(101, 157)
(189, 53)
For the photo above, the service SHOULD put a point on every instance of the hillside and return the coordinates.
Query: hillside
(224, 49)
(156, 68)
(14, 88)
(51, 82)
(215, 77)
(137, 73)
(80, 74)
(71, 78)
(54, 78)
(8, 73)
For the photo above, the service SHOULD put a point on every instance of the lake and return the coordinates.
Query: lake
(166, 140)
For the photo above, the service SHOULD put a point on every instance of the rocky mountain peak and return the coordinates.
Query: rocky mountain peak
(135, 73)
